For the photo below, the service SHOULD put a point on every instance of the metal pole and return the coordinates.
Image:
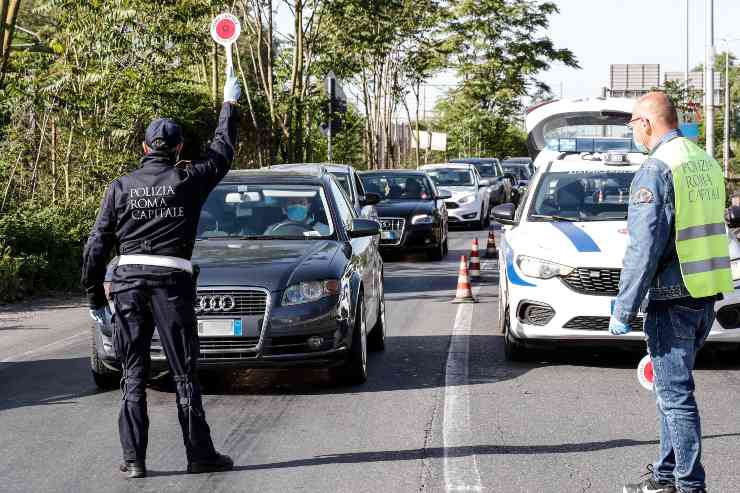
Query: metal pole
(709, 78)
(726, 143)
(686, 72)
(330, 151)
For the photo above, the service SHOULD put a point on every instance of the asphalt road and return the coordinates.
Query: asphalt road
(442, 410)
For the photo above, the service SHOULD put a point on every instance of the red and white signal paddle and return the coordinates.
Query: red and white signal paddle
(645, 372)
(225, 29)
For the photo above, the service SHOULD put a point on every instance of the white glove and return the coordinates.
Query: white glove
(232, 89)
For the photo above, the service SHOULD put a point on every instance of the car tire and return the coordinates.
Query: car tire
(104, 378)
(514, 350)
(354, 370)
(437, 253)
(376, 338)
(479, 224)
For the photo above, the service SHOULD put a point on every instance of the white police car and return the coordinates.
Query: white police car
(561, 252)
(470, 201)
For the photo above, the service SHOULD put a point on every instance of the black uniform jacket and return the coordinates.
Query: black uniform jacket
(155, 210)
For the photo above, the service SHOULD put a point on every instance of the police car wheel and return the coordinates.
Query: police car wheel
(354, 369)
(513, 349)
(104, 377)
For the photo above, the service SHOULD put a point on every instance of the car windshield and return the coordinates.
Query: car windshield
(520, 172)
(343, 180)
(582, 196)
(451, 177)
(261, 211)
(396, 186)
(487, 170)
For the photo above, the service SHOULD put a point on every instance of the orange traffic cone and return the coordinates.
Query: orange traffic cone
(464, 292)
(491, 250)
(475, 261)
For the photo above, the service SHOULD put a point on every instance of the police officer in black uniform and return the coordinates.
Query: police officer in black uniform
(150, 217)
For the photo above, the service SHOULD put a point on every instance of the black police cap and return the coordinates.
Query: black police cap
(163, 133)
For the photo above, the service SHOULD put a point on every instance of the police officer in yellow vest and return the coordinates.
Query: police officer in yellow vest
(678, 256)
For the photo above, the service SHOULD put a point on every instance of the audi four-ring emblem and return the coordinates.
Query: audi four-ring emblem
(216, 303)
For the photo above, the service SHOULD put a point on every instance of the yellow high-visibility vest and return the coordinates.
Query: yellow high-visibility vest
(701, 237)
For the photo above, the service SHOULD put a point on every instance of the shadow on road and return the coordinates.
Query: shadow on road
(408, 363)
(440, 452)
(44, 382)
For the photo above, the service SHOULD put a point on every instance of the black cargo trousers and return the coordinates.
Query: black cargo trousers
(170, 308)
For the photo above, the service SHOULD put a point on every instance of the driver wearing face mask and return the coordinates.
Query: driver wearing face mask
(298, 210)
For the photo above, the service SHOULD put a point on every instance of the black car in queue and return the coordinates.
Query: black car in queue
(412, 212)
(522, 174)
(490, 169)
(289, 276)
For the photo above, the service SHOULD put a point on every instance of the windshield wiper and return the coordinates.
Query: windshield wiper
(554, 218)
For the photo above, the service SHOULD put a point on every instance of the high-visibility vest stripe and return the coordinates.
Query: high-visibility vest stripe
(708, 265)
(701, 231)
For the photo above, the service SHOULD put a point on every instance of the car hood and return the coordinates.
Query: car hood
(576, 244)
(458, 192)
(271, 264)
(403, 208)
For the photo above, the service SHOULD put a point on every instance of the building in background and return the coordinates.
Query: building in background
(632, 80)
(635, 80)
(696, 82)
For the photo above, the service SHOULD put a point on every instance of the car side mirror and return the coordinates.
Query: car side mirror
(444, 194)
(484, 183)
(732, 216)
(363, 227)
(504, 213)
(370, 198)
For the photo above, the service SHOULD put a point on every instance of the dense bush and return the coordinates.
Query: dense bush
(41, 249)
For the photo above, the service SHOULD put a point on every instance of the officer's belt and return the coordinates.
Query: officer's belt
(156, 260)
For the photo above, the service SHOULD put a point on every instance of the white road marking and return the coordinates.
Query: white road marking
(460, 470)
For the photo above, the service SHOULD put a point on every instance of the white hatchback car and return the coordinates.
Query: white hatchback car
(562, 249)
(470, 202)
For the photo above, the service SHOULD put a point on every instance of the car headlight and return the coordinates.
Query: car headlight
(735, 267)
(541, 269)
(422, 219)
(306, 292)
(467, 199)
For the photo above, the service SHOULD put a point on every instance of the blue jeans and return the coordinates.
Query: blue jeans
(675, 332)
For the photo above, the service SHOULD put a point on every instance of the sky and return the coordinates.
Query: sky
(603, 32)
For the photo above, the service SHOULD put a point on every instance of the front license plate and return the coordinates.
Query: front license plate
(219, 327)
(388, 235)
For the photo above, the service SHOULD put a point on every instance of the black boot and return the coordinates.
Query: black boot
(218, 462)
(135, 469)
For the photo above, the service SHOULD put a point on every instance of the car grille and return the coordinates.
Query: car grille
(217, 347)
(598, 323)
(249, 302)
(599, 282)
(394, 224)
